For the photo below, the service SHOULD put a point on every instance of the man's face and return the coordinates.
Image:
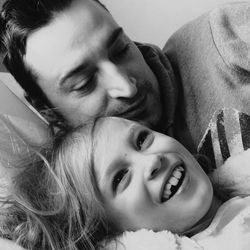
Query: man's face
(88, 67)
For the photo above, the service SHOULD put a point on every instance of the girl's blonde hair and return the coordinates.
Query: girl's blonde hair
(54, 202)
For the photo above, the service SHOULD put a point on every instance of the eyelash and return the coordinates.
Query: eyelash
(141, 138)
(91, 82)
(89, 85)
(118, 178)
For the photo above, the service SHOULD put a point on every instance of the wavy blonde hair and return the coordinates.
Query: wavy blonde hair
(54, 202)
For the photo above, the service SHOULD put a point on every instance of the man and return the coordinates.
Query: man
(72, 56)
(79, 61)
(73, 59)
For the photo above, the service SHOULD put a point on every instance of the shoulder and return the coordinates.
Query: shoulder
(230, 27)
(225, 29)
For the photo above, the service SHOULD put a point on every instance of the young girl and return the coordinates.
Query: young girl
(104, 178)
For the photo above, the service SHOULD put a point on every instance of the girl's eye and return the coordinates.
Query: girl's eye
(144, 139)
(118, 178)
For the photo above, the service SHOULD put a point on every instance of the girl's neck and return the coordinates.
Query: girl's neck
(206, 220)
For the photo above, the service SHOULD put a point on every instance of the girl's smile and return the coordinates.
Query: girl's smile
(174, 183)
(147, 179)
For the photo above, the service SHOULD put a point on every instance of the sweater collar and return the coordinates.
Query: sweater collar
(161, 67)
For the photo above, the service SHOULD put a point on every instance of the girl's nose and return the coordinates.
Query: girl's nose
(117, 84)
(153, 176)
(153, 166)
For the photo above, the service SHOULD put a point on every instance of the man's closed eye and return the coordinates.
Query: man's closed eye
(85, 85)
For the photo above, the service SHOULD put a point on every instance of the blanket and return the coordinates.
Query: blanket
(230, 229)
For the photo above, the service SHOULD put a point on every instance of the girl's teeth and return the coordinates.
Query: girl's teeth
(167, 192)
(173, 181)
(166, 196)
(177, 174)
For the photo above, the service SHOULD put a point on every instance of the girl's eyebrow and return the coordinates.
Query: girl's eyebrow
(114, 166)
(105, 175)
(111, 168)
(117, 162)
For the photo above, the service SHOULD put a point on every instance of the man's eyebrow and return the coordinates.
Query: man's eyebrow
(83, 66)
(114, 36)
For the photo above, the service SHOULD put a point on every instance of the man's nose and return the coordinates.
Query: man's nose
(118, 85)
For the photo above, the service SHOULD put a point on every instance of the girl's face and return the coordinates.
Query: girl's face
(147, 179)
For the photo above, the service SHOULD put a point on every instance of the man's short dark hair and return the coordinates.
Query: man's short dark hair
(18, 19)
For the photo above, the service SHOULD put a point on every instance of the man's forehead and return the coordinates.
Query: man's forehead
(72, 35)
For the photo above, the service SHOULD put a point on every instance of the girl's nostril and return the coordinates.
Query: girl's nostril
(154, 172)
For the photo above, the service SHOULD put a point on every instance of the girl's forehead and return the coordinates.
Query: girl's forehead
(112, 125)
(110, 143)
(110, 133)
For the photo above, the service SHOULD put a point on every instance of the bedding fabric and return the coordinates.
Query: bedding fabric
(227, 143)
(230, 229)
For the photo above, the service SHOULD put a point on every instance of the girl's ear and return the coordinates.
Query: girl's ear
(204, 162)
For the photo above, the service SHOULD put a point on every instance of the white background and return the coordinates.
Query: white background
(154, 21)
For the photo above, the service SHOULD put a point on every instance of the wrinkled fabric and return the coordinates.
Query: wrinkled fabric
(230, 229)
(19, 139)
(210, 57)
(163, 71)
(226, 144)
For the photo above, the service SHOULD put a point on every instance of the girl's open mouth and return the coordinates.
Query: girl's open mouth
(173, 183)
